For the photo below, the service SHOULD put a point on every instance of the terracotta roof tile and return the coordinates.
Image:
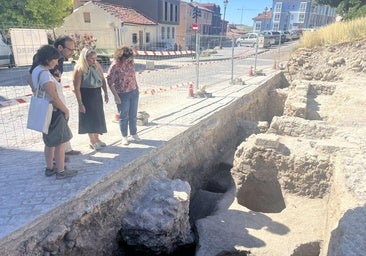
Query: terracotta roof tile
(127, 15)
(264, 16)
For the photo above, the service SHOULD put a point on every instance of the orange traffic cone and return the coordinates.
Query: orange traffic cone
(251, 73)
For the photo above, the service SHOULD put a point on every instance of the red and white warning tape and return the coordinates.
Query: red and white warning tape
(163, 53)
(19, 100)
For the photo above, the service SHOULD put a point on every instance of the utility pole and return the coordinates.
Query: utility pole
(196, 13)
(222, 23)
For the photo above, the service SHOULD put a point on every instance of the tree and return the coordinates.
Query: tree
(43, 13)
(348, 9)
(49, 12)
(13, 11)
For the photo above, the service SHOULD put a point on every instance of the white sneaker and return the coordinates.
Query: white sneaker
(135, 138)
(125, 141)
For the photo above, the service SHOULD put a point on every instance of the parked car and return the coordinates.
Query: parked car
(286, 36)
(273, 35)
(294, 35)
(251, 39)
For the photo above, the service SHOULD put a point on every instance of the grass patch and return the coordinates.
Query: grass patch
(336, 33)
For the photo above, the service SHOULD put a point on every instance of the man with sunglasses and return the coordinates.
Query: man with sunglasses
(66, 46)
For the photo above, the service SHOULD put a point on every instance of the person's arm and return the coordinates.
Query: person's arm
(104, 83)
(111, 83)
(76, 79)
(117, 99)
(50, 88)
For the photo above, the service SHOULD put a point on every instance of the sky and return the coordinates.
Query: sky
(241, 11)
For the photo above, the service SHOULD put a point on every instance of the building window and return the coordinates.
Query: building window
(171, 12)
(168, 32)
(176, 13)
(134, 38)
(163, 33)
(276, 17)
(165, 11)
(147, 36)
(275, 26)
(301, 17)
(278, 7)
(87, 17)
(258, 26)
(173, 32)
(302, 7)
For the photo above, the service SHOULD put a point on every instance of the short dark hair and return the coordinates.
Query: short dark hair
(61, 41)
(47, 53)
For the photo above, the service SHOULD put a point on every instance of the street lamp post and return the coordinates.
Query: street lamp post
(223, 21)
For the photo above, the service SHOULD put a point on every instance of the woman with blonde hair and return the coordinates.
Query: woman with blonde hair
(88, 81)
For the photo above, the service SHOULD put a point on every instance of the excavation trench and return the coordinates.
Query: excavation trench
(248, 191)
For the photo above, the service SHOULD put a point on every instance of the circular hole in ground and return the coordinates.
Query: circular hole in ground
(220, 179)
(261, 195)
(204, 200)
(308, 249)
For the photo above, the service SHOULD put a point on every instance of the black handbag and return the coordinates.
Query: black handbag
(59, 131)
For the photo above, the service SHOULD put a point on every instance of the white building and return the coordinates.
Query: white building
(111, 26)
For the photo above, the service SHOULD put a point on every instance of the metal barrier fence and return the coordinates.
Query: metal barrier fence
(160, 74)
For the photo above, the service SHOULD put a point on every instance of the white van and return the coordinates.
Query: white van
(6, 55)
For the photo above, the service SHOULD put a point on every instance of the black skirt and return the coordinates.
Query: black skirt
(93, 120)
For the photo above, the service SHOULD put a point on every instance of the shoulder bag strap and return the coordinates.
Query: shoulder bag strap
(38, 84)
